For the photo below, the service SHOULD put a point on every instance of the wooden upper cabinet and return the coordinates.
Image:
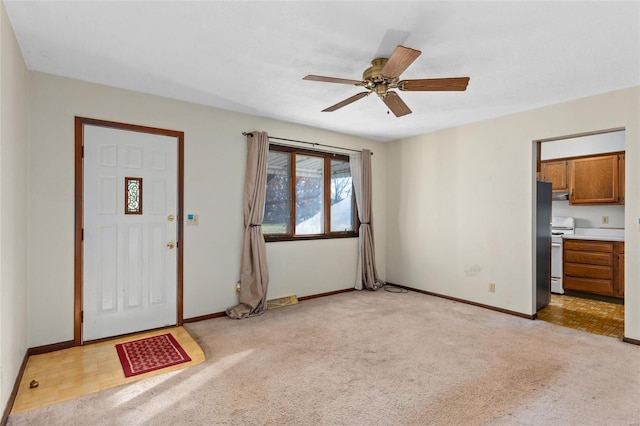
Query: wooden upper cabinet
(595, 180)
(556, 172)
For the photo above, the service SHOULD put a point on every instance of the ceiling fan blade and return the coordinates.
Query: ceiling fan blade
(332, 80)
(400, 59)
(346, 102)
(435, 84)
(396, 104)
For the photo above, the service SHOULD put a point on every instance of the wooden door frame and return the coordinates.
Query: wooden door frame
(80, 122)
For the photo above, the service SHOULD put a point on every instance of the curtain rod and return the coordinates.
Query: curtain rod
(310, 143)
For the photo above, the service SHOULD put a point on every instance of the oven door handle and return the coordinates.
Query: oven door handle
(556, 244)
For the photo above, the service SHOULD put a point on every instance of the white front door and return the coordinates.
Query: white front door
(130, 216)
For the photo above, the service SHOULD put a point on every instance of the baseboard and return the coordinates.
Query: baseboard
(330, 293)
(14, 391)
(630, 340)
(468, 302)
(45, 349)
(300, 299)
(205, 317)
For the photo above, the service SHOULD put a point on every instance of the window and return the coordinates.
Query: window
(309, 195)
(132, 195)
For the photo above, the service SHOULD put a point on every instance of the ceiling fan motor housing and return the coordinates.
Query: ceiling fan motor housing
(374, 72)
(375, 81)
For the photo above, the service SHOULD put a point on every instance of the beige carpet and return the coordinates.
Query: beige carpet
(380, 358)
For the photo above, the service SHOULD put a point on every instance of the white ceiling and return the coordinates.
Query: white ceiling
(251, 56)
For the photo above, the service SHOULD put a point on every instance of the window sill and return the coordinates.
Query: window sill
(273, 239)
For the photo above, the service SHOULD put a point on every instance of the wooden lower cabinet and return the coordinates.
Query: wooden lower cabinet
(594, 266)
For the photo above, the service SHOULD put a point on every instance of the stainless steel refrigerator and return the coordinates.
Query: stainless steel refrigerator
(543, 245)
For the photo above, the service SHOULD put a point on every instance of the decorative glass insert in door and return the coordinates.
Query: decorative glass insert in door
(132, 195)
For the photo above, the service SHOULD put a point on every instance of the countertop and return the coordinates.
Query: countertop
(599, 234)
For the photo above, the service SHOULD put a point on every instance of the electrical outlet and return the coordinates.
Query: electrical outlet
(492, 287)
(605, 220)
(236, 287)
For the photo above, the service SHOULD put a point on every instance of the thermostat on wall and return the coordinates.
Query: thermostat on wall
(192, 219)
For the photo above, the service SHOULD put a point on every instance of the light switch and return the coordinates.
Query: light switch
(192, 219)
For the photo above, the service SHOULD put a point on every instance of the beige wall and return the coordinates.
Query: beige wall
(13, 207)
(460, 202)
(441, 200)
(215, 153)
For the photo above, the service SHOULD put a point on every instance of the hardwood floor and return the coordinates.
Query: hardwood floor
(73, 372)
(589, 315)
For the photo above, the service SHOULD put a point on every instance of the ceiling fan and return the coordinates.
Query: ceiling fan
(384, 74)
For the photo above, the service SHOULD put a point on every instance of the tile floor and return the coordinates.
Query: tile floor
(589, 315)
(81, 370)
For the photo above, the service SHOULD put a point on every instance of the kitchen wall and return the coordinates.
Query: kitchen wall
(583, 145)
(215, 155)
(461, 202)
(590, 216)
(13, 207)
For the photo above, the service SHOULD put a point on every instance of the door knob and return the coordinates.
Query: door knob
(171, 244)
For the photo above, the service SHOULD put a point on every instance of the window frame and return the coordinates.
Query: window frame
(326, 196)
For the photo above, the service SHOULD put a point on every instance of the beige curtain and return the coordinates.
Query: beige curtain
(367, 274)
(254, 274)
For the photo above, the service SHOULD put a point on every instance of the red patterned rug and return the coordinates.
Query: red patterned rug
(153, 353)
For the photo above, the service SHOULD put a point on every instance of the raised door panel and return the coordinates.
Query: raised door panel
(588, 271)
(589, 285)
(621, 275)
(619, 268)
(556, 172)
(604, 259)
(106, 266)
(133, 264)
(594, 180)
(621, 177)
(588, 245)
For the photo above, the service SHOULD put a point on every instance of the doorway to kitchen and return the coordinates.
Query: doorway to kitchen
(587, 176)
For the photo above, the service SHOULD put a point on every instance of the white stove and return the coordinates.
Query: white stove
(560, 225)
